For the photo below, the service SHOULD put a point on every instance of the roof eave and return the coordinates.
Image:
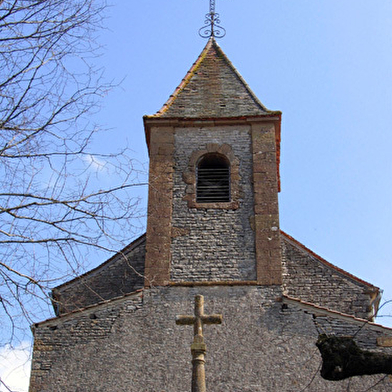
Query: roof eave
(271, 116)
(128, 248)
(153, 120)
(321, 310)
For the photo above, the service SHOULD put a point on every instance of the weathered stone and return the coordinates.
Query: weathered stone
(198, 347)
(212, 88)
(277, 295)
(121, 274)
(179, 231)
(220, 244)
(385, 341)
(307, 276)
(135, 345)
(159, 209)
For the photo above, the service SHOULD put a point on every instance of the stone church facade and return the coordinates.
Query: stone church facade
(212, 230)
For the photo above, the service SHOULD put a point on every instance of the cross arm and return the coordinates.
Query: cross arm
(212, 319)
(185, 320)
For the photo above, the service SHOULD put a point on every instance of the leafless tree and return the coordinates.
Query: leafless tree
(57, 197)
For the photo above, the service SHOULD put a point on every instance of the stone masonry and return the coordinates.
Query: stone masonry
(133, 344)
(234, 241)
(312, 279)
(265, 181)
(121, 274)
(115, 327)
(305, 276)
(160, 194)
(218, 243)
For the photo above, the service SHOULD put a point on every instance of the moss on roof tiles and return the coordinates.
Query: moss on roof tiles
(212, 88)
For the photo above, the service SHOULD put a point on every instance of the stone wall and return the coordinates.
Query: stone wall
(134, 345)
(159, 215)
(265, 180)
(307, 278)
(213, 244)
(365, 337)
(368, 336)
(120, 275)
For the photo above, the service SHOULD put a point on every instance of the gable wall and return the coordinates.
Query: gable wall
(122, 275)
(307, 278)
(304, 276)
(134, 345)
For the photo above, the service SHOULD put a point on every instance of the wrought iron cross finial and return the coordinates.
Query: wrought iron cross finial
(212, 28)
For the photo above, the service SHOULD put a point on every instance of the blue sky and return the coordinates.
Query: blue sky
(327, 65)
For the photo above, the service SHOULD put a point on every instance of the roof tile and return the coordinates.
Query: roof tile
(212, 88)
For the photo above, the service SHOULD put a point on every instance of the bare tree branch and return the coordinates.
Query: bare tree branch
(59, 199)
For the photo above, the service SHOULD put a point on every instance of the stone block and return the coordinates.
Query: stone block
(225, 149)
(212, 147)
(384, 341)
(161, 135)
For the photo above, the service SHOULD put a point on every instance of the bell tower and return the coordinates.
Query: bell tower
(213, 212)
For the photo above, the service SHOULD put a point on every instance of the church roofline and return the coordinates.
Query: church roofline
(328, 264)
(320, 310)
(141, 238)
(125, 250)
(372, 289)
(311, 307)
(88, 308)
(258, 117)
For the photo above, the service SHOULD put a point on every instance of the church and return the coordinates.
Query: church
(212, 231)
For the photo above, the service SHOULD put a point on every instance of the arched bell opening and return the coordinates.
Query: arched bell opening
(213, 179)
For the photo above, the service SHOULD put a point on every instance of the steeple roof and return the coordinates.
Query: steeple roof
(212, 88)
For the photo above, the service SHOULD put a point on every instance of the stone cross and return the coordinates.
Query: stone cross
(198, 347)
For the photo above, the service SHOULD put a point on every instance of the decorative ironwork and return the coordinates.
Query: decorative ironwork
(212, 27)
